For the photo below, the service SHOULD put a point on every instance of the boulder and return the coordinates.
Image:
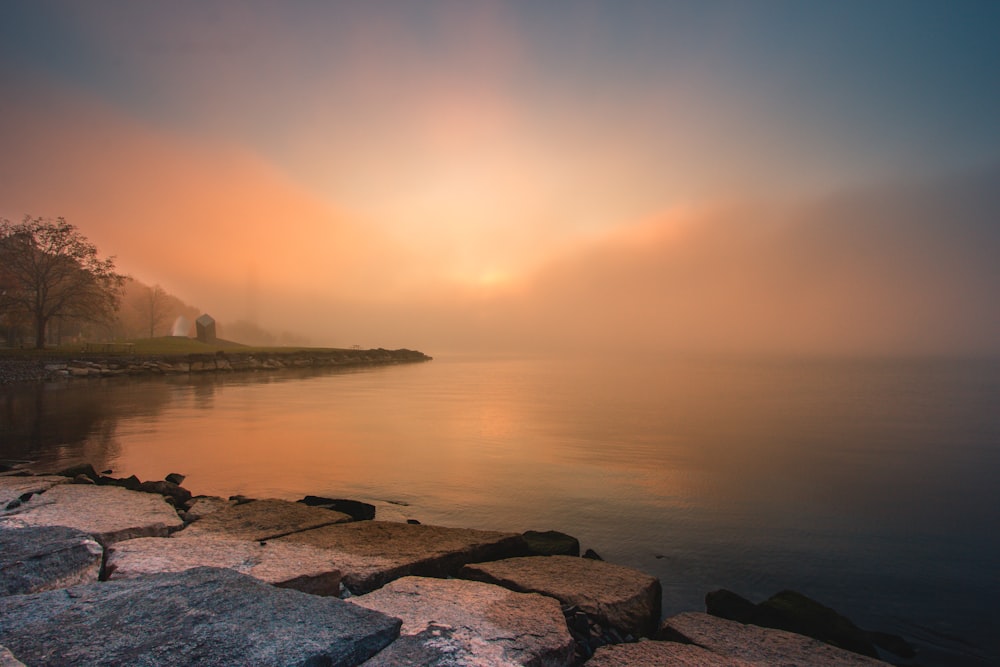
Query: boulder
(456, 622)
(46, 558)
(297, 566)
(371, 553)
(620, 597)
(756, 644)
(792, 611)
(108, 513)
(205, 616)
(358, 510)
(176, 495)
(647, 653)
(799, 613)
(261, 520)
(85, 469)
(15, 490)
(551, 543)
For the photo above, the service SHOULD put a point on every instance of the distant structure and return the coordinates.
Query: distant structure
(205, 325)
(181, 327)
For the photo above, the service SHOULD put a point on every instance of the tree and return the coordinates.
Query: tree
(53, 271)
(156, 307)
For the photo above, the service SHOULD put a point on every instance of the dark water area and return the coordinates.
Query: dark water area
(869, 485)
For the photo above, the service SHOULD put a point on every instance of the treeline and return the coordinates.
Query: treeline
(55, 288)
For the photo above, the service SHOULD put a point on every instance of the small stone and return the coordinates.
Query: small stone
(551, 543)
(175, 478)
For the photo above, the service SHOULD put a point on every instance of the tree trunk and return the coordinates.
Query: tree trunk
(40, 322)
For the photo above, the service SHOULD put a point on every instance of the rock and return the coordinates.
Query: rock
(131, 482)
(175, 478)
(455, 622)
(7, 658)
(261, 520)
(756, 644)
(647, 653)
(205, 616)
(19, 489)
(729, 605)
(81, 469)
(46, 558)
(297, 566)
(109, 514)
(592, 555)
(83, 479)
(801, 614)
(371, 553)
(893, 644)
(357, 510)
(175, 495)
(551, 543)
(200, 506)
(616, 596)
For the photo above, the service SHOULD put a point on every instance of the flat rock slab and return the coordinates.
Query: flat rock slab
(262, 520)
(758, 645)
(616, 596)
(205, 616)
(108, 513)
(371, 553)
(13, 487)
(665, 654)
(47, 558)
(457, 622)
(200, 506)
(297, 566)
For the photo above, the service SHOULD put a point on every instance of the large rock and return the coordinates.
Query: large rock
(674, 654)
(456, 622)
(18, 489)
(617, 596)
(201, 506)
(371, 553)
(108, 513)
(46, 558)
(205, 616)
(262, 520)
(756, 644)
(297, 566)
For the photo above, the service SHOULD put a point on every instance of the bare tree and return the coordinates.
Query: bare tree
(54, 271)
(156, 307)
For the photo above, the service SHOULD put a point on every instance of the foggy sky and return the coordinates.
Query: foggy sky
(501, 177)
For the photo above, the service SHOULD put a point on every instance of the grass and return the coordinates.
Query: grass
(162, 346)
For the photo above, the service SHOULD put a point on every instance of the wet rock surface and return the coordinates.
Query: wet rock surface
(617, 597)
(656, 653)
(473, 622)
(46, 558)
(372, 553)
(205, 616)
(109, 514)
(261, 520)
(18, 489)
(756, 644)
(301, 567)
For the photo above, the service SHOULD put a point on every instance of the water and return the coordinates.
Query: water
(869, 485)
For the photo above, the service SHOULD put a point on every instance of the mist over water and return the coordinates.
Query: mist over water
(868, 484)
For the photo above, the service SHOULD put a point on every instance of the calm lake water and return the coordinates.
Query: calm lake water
(869, 485)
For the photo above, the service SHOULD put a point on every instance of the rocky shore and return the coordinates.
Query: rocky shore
(27, 369)
(96, 569)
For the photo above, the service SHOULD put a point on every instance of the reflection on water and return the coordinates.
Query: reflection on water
(869, 485)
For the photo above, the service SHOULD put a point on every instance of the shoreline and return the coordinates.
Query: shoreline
(19, 369)
(101, 538)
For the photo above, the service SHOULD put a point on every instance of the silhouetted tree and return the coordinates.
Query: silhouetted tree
(54, 271)
(156, 307)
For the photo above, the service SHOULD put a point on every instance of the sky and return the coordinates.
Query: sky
(453, 176)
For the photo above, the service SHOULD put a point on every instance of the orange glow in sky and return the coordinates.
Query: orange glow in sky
(499, 177)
